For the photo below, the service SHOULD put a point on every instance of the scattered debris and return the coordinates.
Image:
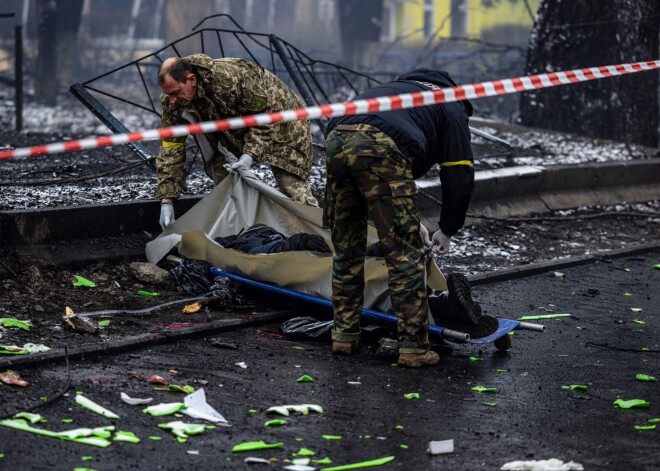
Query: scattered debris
(30, 417)
(441, 447)
(20, 424)
(80, 281)
(254, 460)
(253, 446)
(543, 316)
(158, 379)
(11, 377)
(24, 350)
(362, 464)
(305, 452)
(151, 274)
(305, 379)
(411, 396)
(80, 323)
(643, 377)
(632, 403)
(147, 293)
(302, 408)
(198, 408)
(219, 343)
(94, 407)
(552, 464)
(645, 427)
(16, 323)
(183, 430)
(483, 389)
(135, 401)
(579, 387)
(167, 408)
(242, 364)
(275, 423)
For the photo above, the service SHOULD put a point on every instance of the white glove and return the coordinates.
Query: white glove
(166, 215)
(243, 163)
(424, 232)
(441, 242)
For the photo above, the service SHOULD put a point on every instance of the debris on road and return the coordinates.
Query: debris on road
(15, 323)
(552, 464)
(198, 408)
(304, 409)
(135, 401)
(441, 447)
(81, 400)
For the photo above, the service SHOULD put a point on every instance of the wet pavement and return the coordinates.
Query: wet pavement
(603, 346)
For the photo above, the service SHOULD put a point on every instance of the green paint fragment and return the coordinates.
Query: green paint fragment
(627, 294)
(104, 323)
(655, 420)
(186, 389)
(275, 423)
(399, 427)
(482, 389)
(367, 437)
(643, 377)
(71, 435)
(298, 439)
(147, 293)
(80, 281)
(645, 349)
(127, 437)
(656, 266)
(411, 396)
(332, 437)
(12, 350)
(489, 404)
(393, 365)
(155, 438)
(626, 269)
(580, 387)
(30, 417)
(637, 321)
(167, 408)
(305, 379)
(362, 464)
(405, 447)
(543, 316)
(563, 355)
(87, 458)
(305, 452)
(476, 359)
(502, 371)
(79, 393)
(43, 398)
(559, 274)
(297, 347)
(640, 403)
(325, 460)
(83, 469)
(636, 309)
(16, 323)
(94, 407)
(183, 430)
(252, 411)
(512, 333)
(2, 455)
(645, 427)
(257, 445)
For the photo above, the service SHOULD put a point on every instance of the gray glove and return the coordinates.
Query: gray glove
(424, 232)
(440, 242)
(166, 215)
(243, 163)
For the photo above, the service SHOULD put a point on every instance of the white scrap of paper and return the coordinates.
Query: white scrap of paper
(242, 364)
(553, 464)
(134, 401)
(198, 408)
(441, 447)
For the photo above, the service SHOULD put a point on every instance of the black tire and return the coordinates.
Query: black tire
(503, 343)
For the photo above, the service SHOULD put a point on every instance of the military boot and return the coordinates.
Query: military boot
(415, 360)
(344, 348)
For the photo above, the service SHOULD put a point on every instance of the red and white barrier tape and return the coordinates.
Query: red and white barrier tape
(371, 105)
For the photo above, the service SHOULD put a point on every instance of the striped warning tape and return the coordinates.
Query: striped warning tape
(371, 105)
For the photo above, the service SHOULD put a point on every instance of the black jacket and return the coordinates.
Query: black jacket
(428, 135)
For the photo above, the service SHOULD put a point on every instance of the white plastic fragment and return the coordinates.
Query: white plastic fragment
(193, 452)
(242, 364)
(94, 407)
(35, 348)
(354, 382)
(553, 464)
(198, 408)
(254, 460)
(299, 467)
(134, 401)
(441, 447)
(302, 408)
(301, 461)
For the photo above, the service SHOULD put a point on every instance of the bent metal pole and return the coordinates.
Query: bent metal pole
(371, 105)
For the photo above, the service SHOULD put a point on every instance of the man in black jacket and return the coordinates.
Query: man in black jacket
(372, 161)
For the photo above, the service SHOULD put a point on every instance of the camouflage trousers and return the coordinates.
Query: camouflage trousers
(369, 178)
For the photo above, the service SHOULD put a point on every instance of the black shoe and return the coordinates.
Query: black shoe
(460, 302)
(485, 326)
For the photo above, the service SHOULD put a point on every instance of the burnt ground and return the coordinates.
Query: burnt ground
(530, 417)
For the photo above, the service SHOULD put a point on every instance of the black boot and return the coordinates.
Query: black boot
(460, 298)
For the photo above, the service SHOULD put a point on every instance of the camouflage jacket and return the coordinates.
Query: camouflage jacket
(227, 88)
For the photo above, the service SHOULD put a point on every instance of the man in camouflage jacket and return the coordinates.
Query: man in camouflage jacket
(198, 88)
(372, 161)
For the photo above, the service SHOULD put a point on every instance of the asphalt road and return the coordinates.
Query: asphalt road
(530, 416)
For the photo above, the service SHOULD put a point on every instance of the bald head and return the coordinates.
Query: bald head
(176, 67)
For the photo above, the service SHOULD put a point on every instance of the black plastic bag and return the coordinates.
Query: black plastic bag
(307, 328)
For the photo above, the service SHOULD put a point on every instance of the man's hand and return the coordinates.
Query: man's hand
(243, 163)
(166, 214)
(440, 242)
(424, 232)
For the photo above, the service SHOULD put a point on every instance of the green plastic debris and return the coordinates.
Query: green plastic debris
(476, 359)
(490, 404)
(405, 447)
(275, 423)
(67, 421)
(301, 461)
(302, 408)
(627, 294)
(399, 427)
(298, 439)
(637, 321)
(12, 350)
(16, 323)
(636, 309)
(80, 281)
(543, 316)
(83, 469)
(639, 403)
(167, 408)
(512, 333)
(656, 266)
(94, 407)
(256, 445)
(305, 452)
(482, 389)
(252, 411)
(325, 460)
(148, 293)
(101, 432)
(21, 424)
(30, 417)
(305, 379)
(580, 387)
(155, 438)
(502, 371)
(643, 377)
(362, 464)
(645, 427)
(2, 455)
(87, 458)
(655, 420)
(43, 398)
(104, 323)
(645, 349)
(183, 430)
(559, 274)
(627, 270)
(411, 396)
(127, 437)
(186, 389)
(331, 437)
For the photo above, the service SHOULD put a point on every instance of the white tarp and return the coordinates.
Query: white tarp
(242, 200)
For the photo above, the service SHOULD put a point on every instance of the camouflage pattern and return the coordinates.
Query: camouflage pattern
(369, 178)
(228, 88)
(294, 187)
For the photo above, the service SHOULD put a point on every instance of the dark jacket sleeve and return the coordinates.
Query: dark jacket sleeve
(456, 170)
